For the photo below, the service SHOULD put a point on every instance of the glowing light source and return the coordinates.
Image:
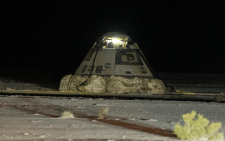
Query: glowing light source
(115, 41)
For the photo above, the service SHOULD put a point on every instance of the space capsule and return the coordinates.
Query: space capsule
(115, 55)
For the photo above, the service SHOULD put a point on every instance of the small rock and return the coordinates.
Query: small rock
(26, 134)
(42, 136)
(67, 114)
(35, 121)
(9, 88)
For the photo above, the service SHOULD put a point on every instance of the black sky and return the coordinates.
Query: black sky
(175, 36)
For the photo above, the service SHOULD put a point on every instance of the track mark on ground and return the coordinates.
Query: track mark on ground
(109, 120)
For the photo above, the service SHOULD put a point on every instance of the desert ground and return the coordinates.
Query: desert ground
(27, 116)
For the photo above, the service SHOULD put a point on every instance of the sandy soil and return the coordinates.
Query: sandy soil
(38, 117)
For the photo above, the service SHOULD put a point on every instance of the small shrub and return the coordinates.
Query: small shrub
(67, 114)
(102, 112)
(198, 130)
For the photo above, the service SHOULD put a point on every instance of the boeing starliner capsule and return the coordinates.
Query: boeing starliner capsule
(115, 55)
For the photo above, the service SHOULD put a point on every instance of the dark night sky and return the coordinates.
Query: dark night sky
(175, 36)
